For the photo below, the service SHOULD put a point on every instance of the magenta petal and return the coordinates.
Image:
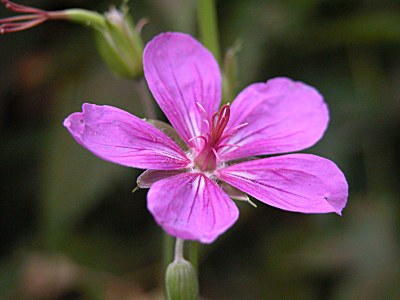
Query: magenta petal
(119, 137)
(192, 207)
(297, 182)
(282, 116)
(181, 72)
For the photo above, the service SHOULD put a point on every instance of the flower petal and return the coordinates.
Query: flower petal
(180, 72)
(282, 116)
(192, 207)
(296, 182)
(119, 137)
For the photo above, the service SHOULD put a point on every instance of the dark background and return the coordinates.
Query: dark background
(70, 227)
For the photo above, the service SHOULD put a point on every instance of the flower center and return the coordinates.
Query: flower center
(207, 159)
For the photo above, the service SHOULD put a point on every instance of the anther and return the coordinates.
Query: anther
(215, 153)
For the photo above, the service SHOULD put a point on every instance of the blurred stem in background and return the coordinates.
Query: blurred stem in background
(208, 27)
(168, 249)
(230, 72)
(194, 254)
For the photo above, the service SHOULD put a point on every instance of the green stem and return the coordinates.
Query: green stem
(179, 249)
(207, 20)
(83, 17)
(181, 281)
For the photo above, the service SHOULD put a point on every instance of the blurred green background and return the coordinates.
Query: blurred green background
(70, 227)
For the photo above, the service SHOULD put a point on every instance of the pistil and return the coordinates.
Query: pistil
(207, 159)
(30, 17)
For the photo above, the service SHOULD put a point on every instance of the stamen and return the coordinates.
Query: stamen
(239, 127)
(220, 120)
(197, 137)
(215, 153)
(230, 131)
(214, 120)
(207, 123)
(225, 109)
(201, 108)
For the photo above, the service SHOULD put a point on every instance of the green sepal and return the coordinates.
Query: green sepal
(181, 281)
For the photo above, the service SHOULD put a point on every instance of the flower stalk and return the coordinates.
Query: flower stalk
(179, 249)
(180, 278)
(208, 26)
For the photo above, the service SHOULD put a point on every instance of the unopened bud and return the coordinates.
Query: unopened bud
(181, 281)
(119, 43)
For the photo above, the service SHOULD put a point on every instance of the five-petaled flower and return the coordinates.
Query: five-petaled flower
(191, 186)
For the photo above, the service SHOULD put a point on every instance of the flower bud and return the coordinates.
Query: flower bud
(118, 41)
(181, 281)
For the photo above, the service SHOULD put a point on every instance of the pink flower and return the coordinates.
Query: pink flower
(190, 188)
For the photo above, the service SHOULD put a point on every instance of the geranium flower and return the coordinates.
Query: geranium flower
(190, 186)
